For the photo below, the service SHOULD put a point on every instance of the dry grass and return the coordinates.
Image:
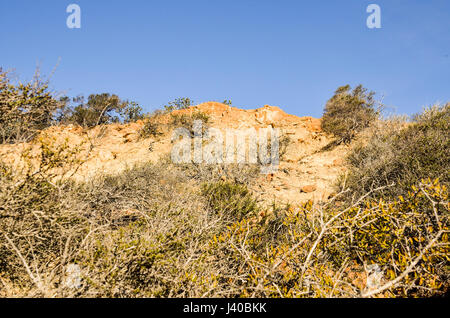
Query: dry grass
(395, 151)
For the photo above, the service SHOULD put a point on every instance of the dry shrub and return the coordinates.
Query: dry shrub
(154, 125)
(284, 141)
(25, 109)
(236, 173)
(40, 228)
(157, 239)
(187, 121)
(178, 103)
(143, 232)
(401, 153)
(152, 235)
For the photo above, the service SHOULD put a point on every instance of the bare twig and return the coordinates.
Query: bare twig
(408, 270)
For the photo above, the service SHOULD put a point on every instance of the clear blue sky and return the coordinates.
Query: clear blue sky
(291, 54)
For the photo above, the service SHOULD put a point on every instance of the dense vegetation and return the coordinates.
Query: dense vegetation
(165, 230)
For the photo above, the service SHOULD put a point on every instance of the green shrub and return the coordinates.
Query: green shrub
(100, 109)
(132, 113)
(348, 112)
(229, 199)
(179, 103)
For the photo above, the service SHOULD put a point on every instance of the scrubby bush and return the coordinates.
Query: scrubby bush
(348, 112)
(187, 120)
(152, 126)
(46, 225)
(132, 113)
(178, 104)
(25, 109)
(401, 153)
(230, 200)
(284, 141)
(100, 109)
(40, 227)
(154, 235)
(155, 125)
(150, 129)
(243, 174)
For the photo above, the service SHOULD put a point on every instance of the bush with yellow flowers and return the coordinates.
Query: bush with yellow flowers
(406, 237)
(322, 251)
